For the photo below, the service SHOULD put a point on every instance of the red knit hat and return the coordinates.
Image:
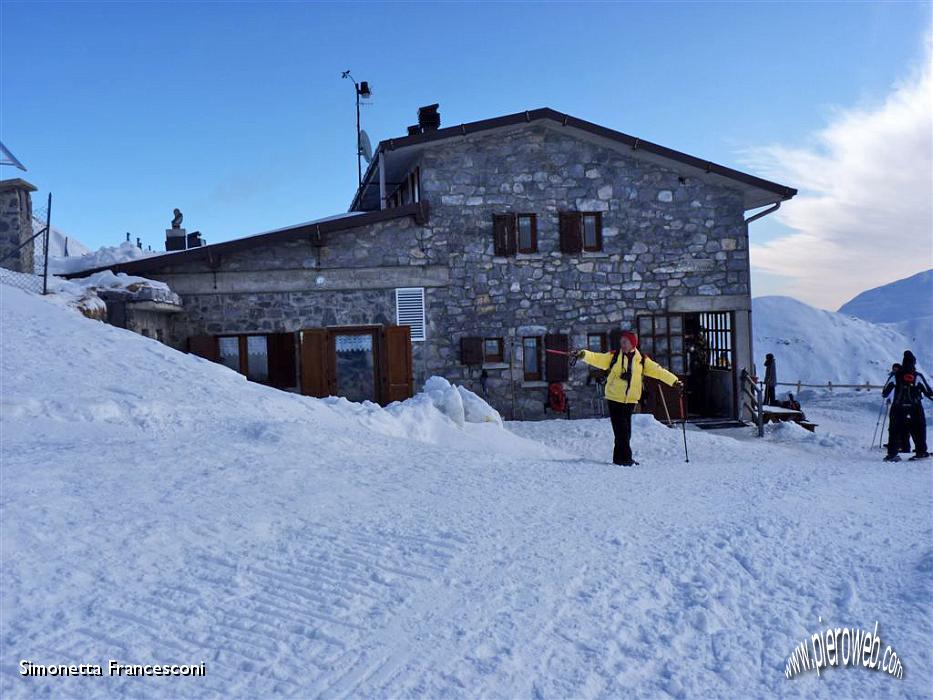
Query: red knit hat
(632, 338)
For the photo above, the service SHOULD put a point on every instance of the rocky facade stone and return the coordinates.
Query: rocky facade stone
(665, 235)
(16, 225)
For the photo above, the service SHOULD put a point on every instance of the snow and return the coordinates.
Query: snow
(816, 346)
(159, 508)
(103, 257)
(905, 306)
(57, 242)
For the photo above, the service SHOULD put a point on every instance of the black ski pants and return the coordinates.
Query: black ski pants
(907, 421)
(769, 395)
(620, 414)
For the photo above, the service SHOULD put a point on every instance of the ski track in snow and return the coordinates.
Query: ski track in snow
(194, 517)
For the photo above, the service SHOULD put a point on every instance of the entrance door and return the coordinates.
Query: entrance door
(711, 363)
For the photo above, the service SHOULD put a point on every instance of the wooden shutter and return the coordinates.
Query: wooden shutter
(599, 230)
(282, 370)
(204, 346)
(615, 338)
(396, 374)
(503, 233)
(316, 379)
(471, 350)
(571, 231)
(556, 366)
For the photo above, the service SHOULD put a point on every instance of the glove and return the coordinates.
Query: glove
(576, 355)
(679, 385)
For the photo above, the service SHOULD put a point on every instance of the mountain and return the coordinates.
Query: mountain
(903, 300)
(816, 346)
(905, 305)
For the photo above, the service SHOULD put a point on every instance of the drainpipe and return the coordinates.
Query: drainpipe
(382, 181)
(751, 337)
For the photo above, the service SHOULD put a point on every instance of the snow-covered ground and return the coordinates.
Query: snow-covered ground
(158, 508)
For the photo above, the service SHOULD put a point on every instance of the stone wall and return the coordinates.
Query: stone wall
(16, 225)
(664, 235)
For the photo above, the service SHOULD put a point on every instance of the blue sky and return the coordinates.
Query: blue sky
(236, 113)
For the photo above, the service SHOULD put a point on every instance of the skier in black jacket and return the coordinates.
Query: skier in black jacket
(909, 387)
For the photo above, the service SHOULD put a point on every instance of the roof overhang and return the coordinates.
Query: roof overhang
(312, 231)
(400, 154)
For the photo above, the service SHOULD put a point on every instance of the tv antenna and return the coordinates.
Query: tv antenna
(362, 90)
(7, 158)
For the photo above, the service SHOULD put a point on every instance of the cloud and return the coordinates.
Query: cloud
(863, 216)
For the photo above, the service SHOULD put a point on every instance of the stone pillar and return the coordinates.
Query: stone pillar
(16, 224)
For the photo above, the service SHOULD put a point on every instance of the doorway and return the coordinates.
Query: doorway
(355, 364)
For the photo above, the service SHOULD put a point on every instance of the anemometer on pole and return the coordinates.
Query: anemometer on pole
(363, 147)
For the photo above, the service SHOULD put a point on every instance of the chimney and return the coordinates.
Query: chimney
(414, 130)
(428, 118)
(194, 239)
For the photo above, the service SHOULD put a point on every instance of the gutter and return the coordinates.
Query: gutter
(763, 214)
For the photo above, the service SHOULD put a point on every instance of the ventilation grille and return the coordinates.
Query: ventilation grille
(409, 304)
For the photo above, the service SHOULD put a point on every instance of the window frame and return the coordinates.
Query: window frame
(533, 224)
(603, 341)
(532, 376)
(498, 356)
(597, 217)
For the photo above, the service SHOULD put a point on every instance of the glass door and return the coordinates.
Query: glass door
(355, 364)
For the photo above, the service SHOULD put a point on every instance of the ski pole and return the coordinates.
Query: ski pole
(883, 423)
(877, 423)
(664, 402)
(683, 413)
(557, 352)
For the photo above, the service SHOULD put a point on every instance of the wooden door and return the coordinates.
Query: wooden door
(204, 346)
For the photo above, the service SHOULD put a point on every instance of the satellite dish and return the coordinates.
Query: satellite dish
(365, 147)
(7, 158)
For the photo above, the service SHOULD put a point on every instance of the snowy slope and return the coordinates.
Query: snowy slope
(815, 346)
(157, 508)
(905, 306)
(902, 300)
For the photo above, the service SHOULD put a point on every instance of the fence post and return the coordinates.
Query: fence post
(798, 385)
(761, 418)
(830, 385)
(45, 265)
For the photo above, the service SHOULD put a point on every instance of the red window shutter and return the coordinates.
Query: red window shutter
(571, 232)
(282, 369)
(557, 366)
(204, 346)
(471, 350)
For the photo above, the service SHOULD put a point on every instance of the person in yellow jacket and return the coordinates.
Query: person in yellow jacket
(624, 384)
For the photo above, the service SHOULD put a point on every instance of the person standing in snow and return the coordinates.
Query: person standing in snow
(625, 372)
(909, 387)
(770, 379)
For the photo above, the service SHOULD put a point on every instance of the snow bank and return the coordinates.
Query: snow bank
(442, 414)
(108, 255)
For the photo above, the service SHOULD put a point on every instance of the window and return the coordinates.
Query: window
(662, 338)
(160, 336)
(596, 342)
(492, 350)
(246, 354)
(593, 232)
(527, 225)
(531, 359)
(408, 191)
(409, 310)
(718, 329)
(145, 332)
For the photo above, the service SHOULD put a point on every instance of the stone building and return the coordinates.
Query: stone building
(16, 225)
(471, 251)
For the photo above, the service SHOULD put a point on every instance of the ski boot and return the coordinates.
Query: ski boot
(892, 458)
(920, 455)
